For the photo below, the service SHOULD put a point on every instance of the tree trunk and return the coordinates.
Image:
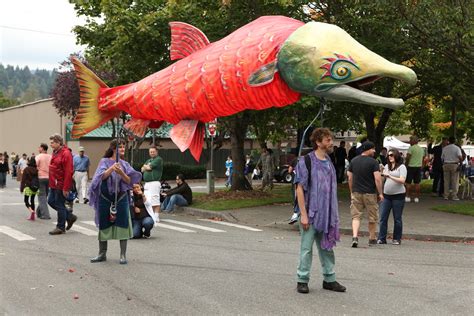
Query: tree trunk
(376, 133)
(238, 130)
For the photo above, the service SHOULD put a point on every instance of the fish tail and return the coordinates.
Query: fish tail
(89, 117)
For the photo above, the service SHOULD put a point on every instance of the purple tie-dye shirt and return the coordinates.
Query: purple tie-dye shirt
(321, 201)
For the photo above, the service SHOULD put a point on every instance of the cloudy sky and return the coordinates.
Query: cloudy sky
(37, 33)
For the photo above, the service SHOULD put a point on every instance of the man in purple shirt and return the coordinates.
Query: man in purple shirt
(316, 192)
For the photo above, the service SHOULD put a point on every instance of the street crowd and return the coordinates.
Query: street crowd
(127, 202)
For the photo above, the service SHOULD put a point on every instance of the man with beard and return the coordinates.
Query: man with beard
(316, 192)
(364, 182)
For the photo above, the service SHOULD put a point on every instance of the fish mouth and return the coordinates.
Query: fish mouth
(352, 92)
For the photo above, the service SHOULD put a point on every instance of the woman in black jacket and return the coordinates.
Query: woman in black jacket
(181, 195)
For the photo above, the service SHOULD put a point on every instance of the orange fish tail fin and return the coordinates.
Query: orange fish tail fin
(88, 117)
(189, 135)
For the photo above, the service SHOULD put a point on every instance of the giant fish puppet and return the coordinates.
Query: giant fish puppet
(267, 63)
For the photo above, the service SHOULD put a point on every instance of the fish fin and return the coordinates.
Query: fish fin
(137, 127)
(185, 40)
(264, 75)
(89, 117)
(198, 140)
(182, 133)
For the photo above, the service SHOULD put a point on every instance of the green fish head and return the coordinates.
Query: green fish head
(324, 60)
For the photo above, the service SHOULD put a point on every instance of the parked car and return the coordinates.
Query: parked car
(281, 174)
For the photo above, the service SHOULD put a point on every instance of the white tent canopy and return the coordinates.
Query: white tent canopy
(390, 142)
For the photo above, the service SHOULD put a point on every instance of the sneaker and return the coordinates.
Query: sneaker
(445, 198)
(417, 200)
(407, 200)
(86, 200)
(157, 218)
(372, 242)
(381, 242)
(302, 288)
(396, 242)
(455, 198)
(71, 221)
(57, 231)
(355, 242)
(293, 219)
(333, 286)
(76, 201)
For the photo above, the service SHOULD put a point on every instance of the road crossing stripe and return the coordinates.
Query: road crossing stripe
(83, 230)
(183, 230)
(232, 225)
(214, 230)
(92, 223)
(15, 234)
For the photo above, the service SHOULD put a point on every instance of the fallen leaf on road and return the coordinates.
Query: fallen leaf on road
(72, 270)
(76, 296)
(391, 273)
(50, 285)
(129, 298)
(33, 288)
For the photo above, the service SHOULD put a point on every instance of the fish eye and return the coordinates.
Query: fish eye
(341, 71)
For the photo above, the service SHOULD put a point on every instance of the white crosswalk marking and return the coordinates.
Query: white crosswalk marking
(183, 230)
(83, 230)
(92, 223)
(214, 230)
(12, 204)
(15, 233)
(232, 225)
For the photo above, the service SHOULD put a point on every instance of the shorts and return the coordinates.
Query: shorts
(413, 175)
(359, 201)
(152, 192)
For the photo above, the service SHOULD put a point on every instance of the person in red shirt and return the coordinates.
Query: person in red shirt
(60, 181)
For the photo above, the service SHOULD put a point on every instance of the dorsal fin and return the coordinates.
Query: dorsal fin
(185, 40)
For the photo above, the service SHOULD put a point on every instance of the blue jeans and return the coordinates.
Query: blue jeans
(56, 200)
(3, 179)
(385, 207)
(142, 224)
(171, 201)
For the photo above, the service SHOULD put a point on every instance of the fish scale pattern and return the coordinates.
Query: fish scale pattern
(211, 82)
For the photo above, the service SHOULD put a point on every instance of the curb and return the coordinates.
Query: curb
(229, 217)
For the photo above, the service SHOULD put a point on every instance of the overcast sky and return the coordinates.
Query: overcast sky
(37, 33)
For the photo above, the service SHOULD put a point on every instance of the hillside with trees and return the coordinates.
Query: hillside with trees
(22, 85)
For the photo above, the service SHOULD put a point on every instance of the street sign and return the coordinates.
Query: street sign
(212, 127)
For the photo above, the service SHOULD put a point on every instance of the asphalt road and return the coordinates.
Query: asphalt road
(203, 272)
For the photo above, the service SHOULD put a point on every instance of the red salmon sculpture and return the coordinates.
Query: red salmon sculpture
(267, 63)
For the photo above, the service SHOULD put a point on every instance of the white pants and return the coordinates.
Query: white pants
(81, 184)
(152, 192)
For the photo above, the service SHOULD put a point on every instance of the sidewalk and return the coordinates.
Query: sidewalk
(419, 221)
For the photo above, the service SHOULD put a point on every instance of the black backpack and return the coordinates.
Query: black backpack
(34, 184)
(307, 162)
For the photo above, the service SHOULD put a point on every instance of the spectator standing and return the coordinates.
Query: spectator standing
(29, 186)
(229, 166)
(267, 163)
(113, 179)
(81, 174)
(43, 159)
(60, 181)
(451, 157)
(248, 169)
(382, 158)
(181, 195)
(319, 223)
(394, 191)
(15, 160)
(4, 170)
(143, 217)
(365, 185)
(152, 172)
(352, 152)
(414, 163)
(22, 164)
(341, 156)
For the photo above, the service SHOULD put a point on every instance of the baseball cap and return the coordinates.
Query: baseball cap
(367, 145)
(81, 148)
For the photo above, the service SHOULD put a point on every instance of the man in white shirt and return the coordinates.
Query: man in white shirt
(451, 157)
